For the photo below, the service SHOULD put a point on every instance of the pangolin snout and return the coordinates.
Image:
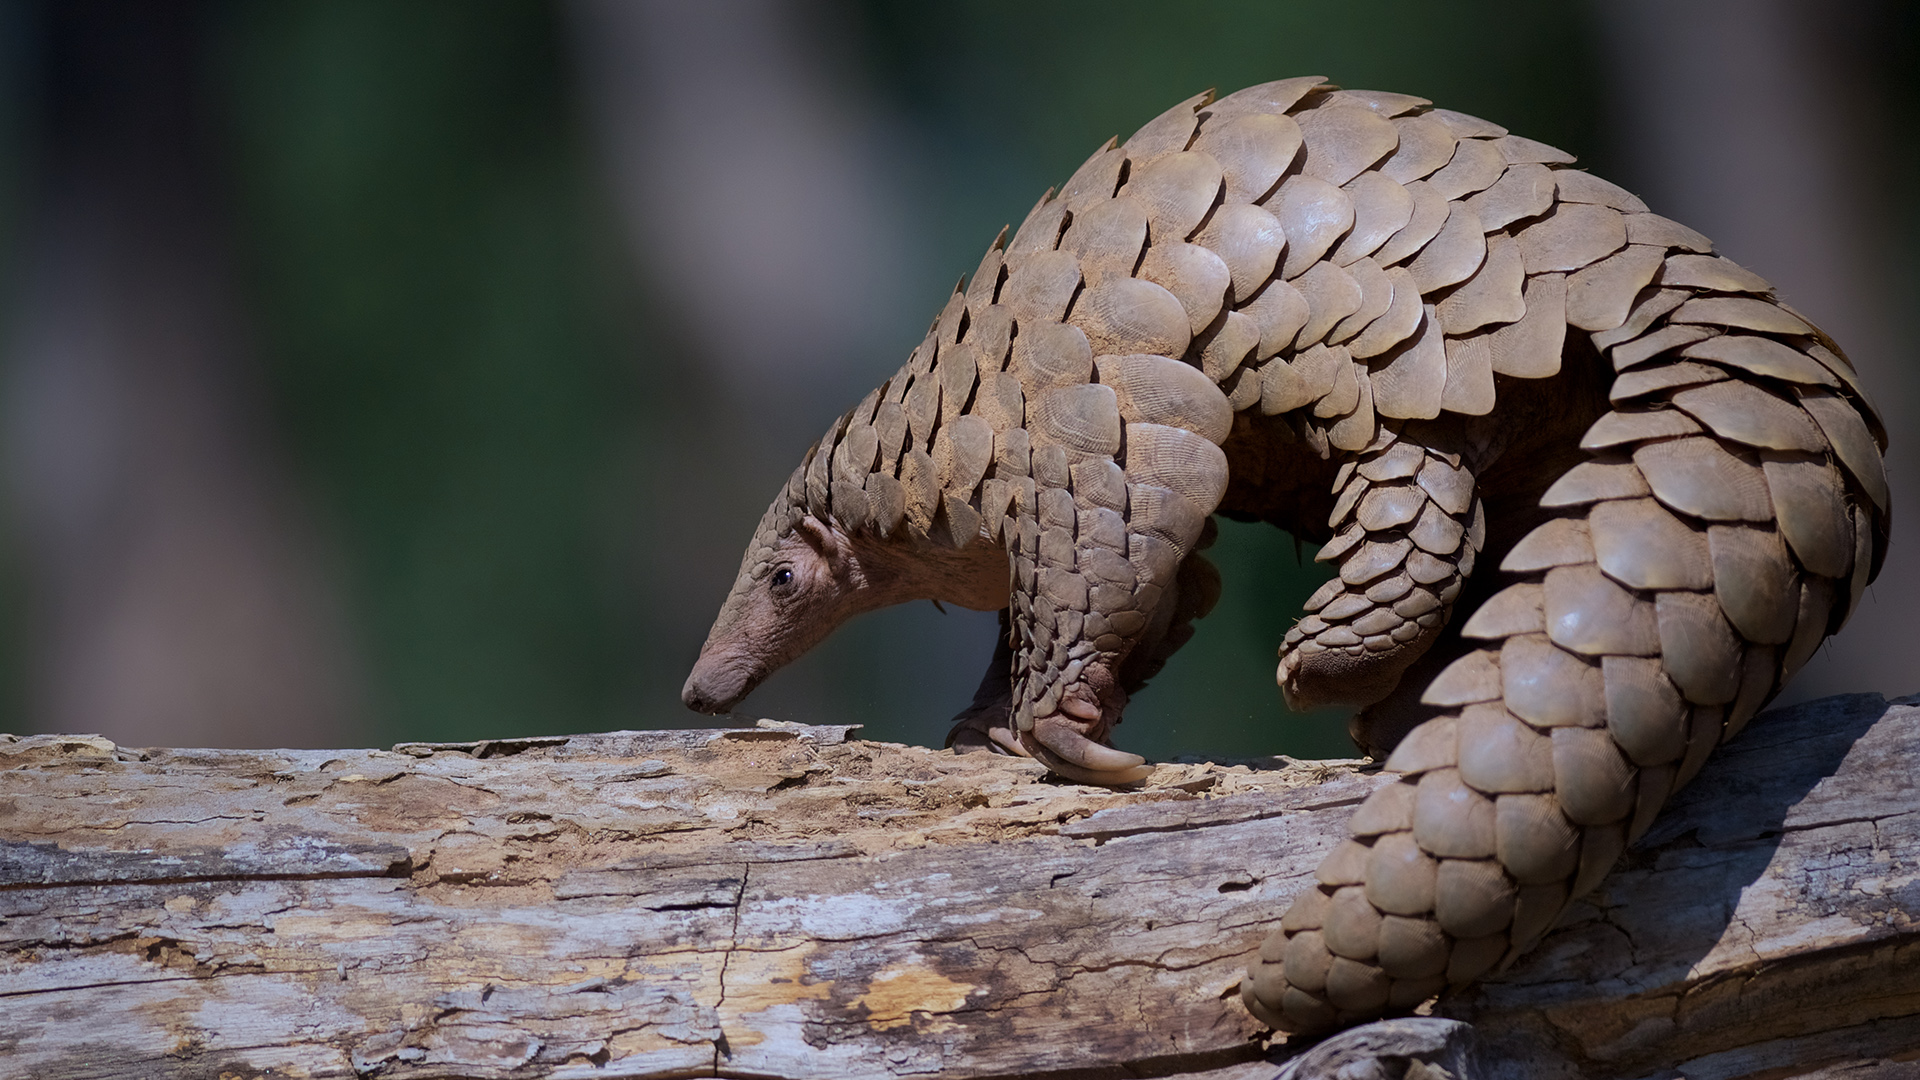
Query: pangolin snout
(715, 687)
(701, 698)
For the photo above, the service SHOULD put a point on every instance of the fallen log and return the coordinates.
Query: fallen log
(786, 901)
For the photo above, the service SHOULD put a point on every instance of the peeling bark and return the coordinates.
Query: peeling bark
(785, 902)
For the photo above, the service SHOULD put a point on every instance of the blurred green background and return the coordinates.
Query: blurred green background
(521, 459)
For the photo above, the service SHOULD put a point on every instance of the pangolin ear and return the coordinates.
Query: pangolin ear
(817, 535)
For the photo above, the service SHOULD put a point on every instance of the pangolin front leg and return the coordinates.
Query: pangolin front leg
(1125, 474)
(987, 723)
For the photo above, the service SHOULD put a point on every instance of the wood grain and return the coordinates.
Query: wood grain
(786, 902)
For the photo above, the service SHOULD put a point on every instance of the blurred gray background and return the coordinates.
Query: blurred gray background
(376, 371)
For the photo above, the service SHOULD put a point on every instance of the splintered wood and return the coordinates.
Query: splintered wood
(785, 902)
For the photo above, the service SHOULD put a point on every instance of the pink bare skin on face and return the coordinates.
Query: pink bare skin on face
(788, 599)
(794, 590)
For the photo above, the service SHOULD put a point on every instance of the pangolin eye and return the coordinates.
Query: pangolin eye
(782, 579)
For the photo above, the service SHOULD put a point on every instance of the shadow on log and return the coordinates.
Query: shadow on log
(783, 901)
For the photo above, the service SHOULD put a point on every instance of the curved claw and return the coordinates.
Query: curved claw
(1061, 767)
(967, 738)
(985, 730)
(1066, 751)
(1006, 742)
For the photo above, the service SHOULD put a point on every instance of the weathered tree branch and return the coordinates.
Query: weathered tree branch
(783, 902)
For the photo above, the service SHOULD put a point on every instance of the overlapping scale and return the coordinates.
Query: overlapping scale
(1410, 383)
(1469, 390)
(1744, 413)
(1847, 432)
(1177, 190)
(1475, 165)
(1576, 186)
(1332, 294)
(1107, 237)
(1430, 212)
(1697, 476)
(1762, 356)
(1342, 140)
(1638, 543)
(1196, 277)
(1279, 311)
(1712, 272)
(1742, 312)
(1492, 295)
(1271, 97)
(1313, 214)
(1425, 145)
(1574, 236)
(1376, 299)
(1168, 133)
(1132, 315)
(1523, 191)
(1530, 348)
(1810, 509)
(1394, 326)
(1381, 208)
(1254, 151)
(1095, 180)
(1600, 296)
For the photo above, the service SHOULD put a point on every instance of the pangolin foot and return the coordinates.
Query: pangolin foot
(1072, 742)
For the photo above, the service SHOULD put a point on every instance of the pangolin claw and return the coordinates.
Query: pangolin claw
(1056, 742)
(985, 729)
(968, 737)
(1006, 742)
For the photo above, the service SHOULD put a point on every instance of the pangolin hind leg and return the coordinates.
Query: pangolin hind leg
(1511, 460)
(1407, 529)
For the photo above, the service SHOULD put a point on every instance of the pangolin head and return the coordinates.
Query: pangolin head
(790, 593)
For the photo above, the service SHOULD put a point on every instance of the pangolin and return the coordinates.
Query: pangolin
(1432, 347)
